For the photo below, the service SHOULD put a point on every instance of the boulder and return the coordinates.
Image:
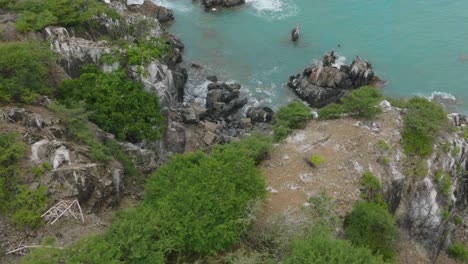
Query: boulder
(175, 138)
(260, 114)
(223, 100)
(135, 2)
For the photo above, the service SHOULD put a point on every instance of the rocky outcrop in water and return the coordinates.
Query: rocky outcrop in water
(210, 4)
(327, 82)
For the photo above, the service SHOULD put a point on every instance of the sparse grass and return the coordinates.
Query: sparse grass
(458, 251)
(382, 145)
(445, 185)
(457, 220)
(316, 160)
(384, 160)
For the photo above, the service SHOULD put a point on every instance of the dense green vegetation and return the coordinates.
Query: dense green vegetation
(372, 226)
(24, 72)
(38, 14)
(458, 251)
(117, 105)
(292, 116)
(194, 205)
(23, 206)
(423, 121)
(326, 250)
(362, 103)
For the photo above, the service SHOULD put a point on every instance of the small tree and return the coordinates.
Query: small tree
(370, 225)
(423, 121)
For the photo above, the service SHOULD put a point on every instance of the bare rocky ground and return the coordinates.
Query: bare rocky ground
(348, 147)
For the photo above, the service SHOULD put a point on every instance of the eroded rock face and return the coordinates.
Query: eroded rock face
(327, 82)
(420, 204)
(73, 175)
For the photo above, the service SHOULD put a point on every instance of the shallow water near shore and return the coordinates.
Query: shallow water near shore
(419, 47)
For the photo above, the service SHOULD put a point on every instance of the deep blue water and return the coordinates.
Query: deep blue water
(419, 47)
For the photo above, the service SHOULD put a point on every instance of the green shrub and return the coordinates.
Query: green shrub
(280, 132)
(23, 206)
(6, 3)
(363, 102)
(294, 115)
(455, 151)
(37, 171)
(201, 200)
(422, 123)
(369, 225)
(46, 166)
(438, 175)
(370, 182)
(326, 250)
(118, 152)
(24, 71)
(331, 111)
(384, 160)
(398, 102)
(38, 14)
(316, 160)
(445, 185)
(75, 119)
(27, 207)
(382, 145)
(457, 220)
(146, 51)
(117, 105)
(465, 133)
(458, 251)
(256, 147)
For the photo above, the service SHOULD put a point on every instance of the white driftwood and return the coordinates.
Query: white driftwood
(28, 247)
(64, 208)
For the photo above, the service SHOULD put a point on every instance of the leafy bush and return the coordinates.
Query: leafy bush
(331, 111)
(6, 3)
(75, 119)
(422, 123)
(326, 250)
(362, 102)
(146, 51)
(118, 105)
(397, 102)
(369, 225)
(38, 14)
(23, 206)
(382, 145)
(316, 160)
(384, 160)
(292, 116)
(256, 147)
(445, 185)
(24, 71)
(458, 251)
(201, 200)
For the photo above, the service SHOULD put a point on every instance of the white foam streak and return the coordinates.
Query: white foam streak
(274, 9)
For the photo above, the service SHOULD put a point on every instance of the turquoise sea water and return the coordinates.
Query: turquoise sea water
(420, 47)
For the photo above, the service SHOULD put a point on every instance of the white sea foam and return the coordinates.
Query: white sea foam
(442, 95)
(340, 61)
(181, 6)
(274, 9)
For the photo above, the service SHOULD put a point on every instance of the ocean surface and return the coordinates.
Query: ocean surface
(419, 47)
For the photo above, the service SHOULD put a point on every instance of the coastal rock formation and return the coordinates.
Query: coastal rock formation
(209, 4)
(223, 99)
(260, 114)
(327, 82)
(72, 175)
